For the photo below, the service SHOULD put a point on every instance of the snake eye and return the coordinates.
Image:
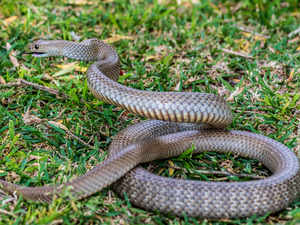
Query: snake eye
(36, 46)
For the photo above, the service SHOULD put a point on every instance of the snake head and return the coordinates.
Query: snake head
(43, 48)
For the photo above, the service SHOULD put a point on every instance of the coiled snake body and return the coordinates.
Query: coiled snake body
(166, 137)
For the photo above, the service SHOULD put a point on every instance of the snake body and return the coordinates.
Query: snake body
(181, 121)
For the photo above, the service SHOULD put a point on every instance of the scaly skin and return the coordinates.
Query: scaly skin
(156, 139)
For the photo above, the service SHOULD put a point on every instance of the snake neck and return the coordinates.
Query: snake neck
(107, 60)
(88, 50)
(78, 51)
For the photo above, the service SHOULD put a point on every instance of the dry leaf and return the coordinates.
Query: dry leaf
(171, 163)
(12, 56)
(9, 20)
(66, 66)
(116, 38)
(216, 9)
(160, 171)
(177, 87)
(243, 45)
(296, 14)
(255, 36)
(298, 48)
(75, 36)
(190, 80)
(160, 50)
(80, 2)
(2, 81)
(153, 57)
(14, 176)
(296, 39)
(34, 157)
(31, 119)
(82, 69)
(227, 164)
(171, 171)
(59, 124)
(236, 92)
(69, 67)
(185, 3)
(47, 77)
(162, 2)
(235, 80)
(291, 76)
(74, 207)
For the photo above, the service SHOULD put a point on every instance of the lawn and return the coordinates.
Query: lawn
(246, 51)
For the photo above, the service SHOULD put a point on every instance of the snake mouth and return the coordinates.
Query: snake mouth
(37, 54)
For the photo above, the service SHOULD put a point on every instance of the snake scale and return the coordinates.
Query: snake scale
(180, 120)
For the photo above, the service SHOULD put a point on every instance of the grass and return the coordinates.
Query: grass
(163, 46)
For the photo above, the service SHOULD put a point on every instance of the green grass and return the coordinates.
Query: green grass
(173, 46)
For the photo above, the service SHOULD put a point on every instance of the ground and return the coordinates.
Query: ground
(246, 51)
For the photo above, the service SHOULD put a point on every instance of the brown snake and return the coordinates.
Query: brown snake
(157, 139)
